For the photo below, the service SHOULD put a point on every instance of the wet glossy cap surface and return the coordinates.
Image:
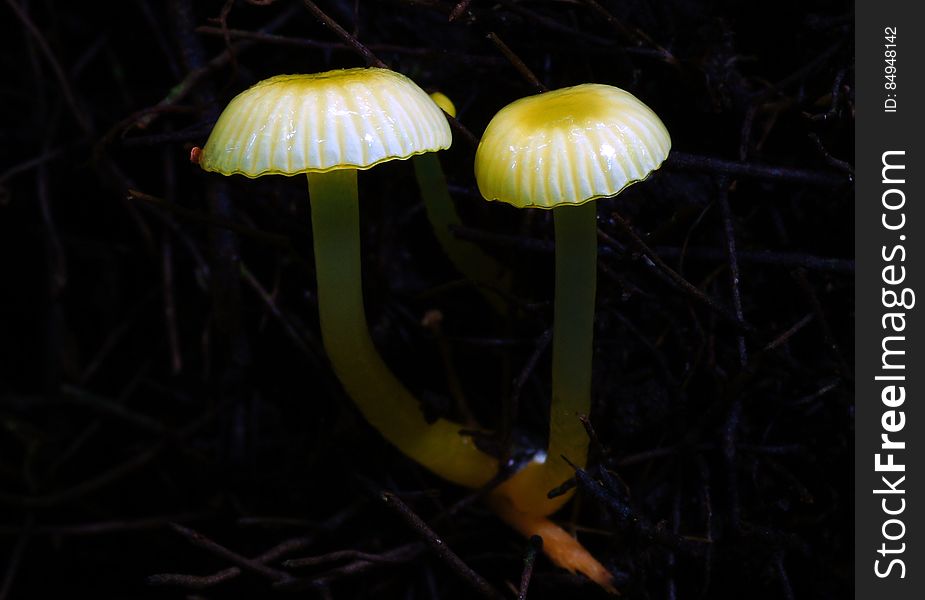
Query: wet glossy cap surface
(348, 118)
(569, 146)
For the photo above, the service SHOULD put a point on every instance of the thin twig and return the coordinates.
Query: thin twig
(79, 115)
(112, 408)
(709, 164)
(519, 64)
(555, 25)
(304, 341)
(15, 558)
(829, 337)
(633, 33)
(198, 74)
(439, 547)
(730, 433)
(298, 42)
(628, 517)
(786, 588)
(512, 405)
(762, 257)
(274, 553)
(42, 158)
(371, 59)
(534, 547)
(782, 338)
(399, 555)
(312, 561)
(461, 129)
(679, 281)
(800, 73)
(201, 541)
(733, 258)
(195, 216)
(647, 455)
(170, 307)
(839, 164)
(116, 335)
(104, 527)
(107, 477)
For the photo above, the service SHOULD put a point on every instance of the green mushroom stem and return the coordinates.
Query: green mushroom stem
(572, 350)
(384, 401)
(573, 336)
(492, 279)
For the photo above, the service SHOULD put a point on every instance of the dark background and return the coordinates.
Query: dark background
(160, 363)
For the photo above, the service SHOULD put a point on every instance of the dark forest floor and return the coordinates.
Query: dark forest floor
(165, 404)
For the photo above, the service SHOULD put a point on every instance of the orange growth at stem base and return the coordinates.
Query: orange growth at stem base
(195, 154)
(561, 548)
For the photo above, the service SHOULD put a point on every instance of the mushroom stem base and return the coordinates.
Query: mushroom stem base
(562, 549)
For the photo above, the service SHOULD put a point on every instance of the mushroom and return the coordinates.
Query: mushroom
(559, 150)
(491, 278)
(328, 126)
(444, 102)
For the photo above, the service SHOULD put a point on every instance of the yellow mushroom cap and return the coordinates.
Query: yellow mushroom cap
(444, 102)
(569, 146)
(347, 118)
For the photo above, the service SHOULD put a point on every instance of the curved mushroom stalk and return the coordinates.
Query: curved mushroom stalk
(492, 279)
(384, 401)
(328, 125)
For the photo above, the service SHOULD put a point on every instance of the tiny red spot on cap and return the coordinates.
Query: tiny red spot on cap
(195, 154)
